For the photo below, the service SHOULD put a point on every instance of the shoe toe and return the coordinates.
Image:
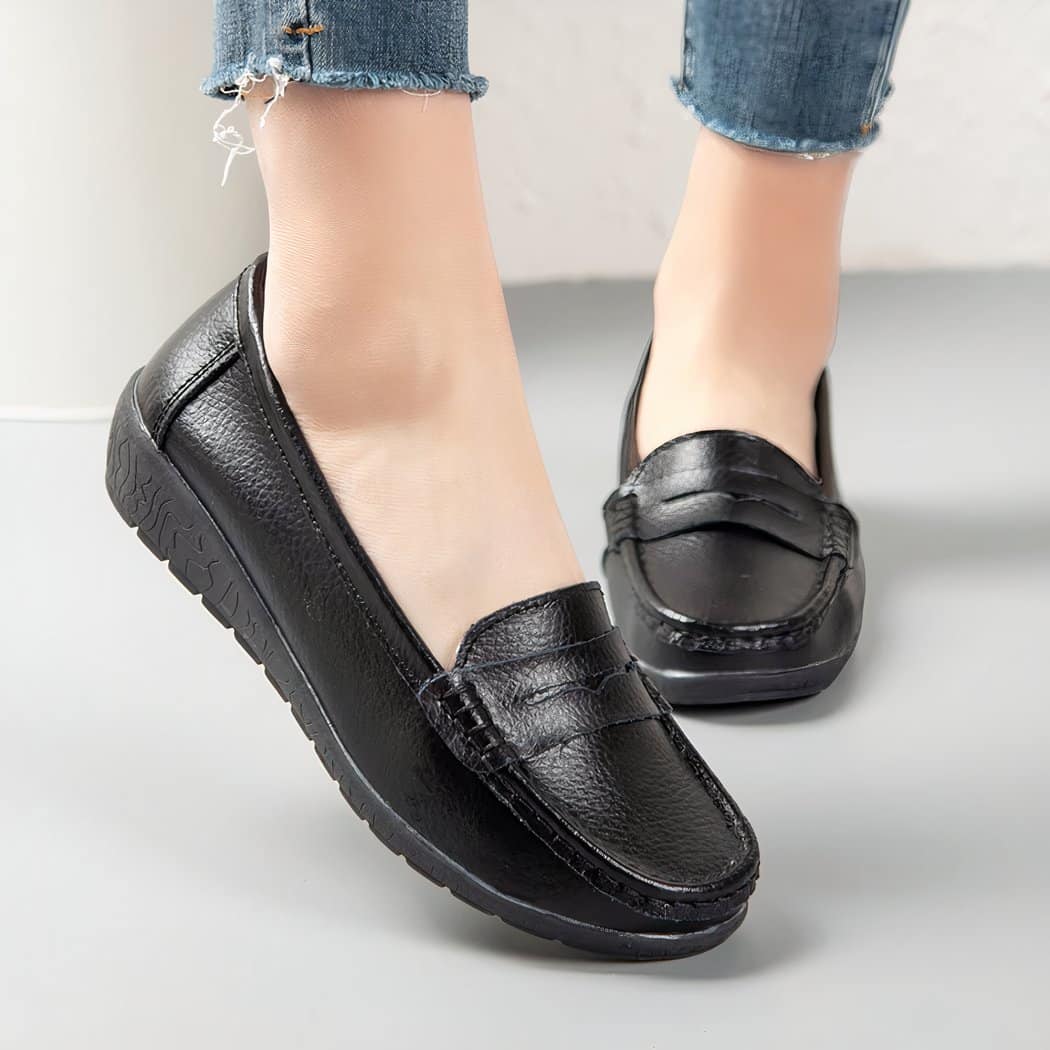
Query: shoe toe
(641, 799)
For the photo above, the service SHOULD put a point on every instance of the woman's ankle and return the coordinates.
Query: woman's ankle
(746, 300)
(382, 290)
(720, 361)
(728, 331)
(353, 348)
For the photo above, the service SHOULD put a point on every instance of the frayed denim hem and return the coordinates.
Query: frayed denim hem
(762, 140)
(225, 83)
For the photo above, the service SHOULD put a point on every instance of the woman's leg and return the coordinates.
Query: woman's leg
(746, 298)
(385, 321)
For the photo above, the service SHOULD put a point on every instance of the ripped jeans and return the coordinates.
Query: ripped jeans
(799, 76)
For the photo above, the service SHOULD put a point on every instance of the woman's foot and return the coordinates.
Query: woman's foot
(386, 327)
(746, 299)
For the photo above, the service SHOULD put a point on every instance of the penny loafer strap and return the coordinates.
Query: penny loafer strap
(688, 501)
(489, 726)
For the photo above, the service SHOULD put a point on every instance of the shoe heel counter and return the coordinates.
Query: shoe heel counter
(197, 352)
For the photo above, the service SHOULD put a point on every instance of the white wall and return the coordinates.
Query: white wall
(585, 149)
(114, 225)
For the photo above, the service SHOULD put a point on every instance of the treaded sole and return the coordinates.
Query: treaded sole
(152, 497)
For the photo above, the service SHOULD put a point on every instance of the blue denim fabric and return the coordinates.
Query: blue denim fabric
(801, 76)
(408, 44)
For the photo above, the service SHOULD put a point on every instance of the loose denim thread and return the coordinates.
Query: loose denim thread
(426, 96)
(229, 137)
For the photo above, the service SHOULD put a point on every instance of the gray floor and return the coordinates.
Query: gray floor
(179, 872)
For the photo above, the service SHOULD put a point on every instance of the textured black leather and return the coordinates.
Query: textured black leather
(542, 764)
(545, 702)
(730, 565)
(201, 347)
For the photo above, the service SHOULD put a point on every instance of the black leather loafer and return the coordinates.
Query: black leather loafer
(733, 573)
(542, 779)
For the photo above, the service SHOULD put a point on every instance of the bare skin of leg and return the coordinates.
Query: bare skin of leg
(386, 327)
(746, 300)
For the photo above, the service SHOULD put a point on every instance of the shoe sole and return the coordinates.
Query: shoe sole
(710, 688)
(154, 499)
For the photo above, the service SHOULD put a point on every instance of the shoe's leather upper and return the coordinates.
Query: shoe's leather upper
(542, 762)
(192, 357)
(721, 543)
(545, 702)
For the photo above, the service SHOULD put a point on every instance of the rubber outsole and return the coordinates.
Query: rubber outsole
(152, 497)
(711, 688)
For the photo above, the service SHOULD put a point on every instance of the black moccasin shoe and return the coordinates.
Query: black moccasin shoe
(541, 779)
(733, 573)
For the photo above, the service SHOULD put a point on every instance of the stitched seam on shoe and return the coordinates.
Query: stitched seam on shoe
(442, 704)
(839, 526)
(174, 404)
(406, 675)
(713, 641)
(329, 501)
